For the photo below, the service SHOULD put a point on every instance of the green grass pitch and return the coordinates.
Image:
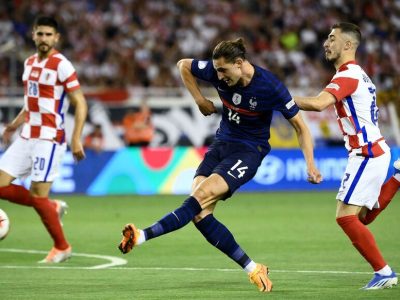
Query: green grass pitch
(295, 234)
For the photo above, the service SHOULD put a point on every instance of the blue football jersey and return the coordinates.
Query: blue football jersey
(247, 111)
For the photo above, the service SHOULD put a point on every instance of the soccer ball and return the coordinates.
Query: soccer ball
(4, 224)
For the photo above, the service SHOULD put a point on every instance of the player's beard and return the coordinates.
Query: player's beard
(331, 59)
(44, 49)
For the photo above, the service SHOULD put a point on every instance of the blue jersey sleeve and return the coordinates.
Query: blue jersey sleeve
(288, 107)
(204, 70)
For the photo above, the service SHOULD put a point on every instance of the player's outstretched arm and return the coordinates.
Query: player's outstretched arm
(318, 103)
(306, 145)
(13, 126)
(206, 106)
(78, 100)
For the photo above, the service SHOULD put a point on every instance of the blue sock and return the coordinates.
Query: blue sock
(220, 237)
(174, 220)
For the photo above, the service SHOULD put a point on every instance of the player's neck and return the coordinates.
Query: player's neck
(343, 60)
(44, 55)
(248, 73)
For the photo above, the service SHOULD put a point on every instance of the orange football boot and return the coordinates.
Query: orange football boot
(260, 278)
(129, 238)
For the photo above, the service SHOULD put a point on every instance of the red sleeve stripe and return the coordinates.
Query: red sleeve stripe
(342, 87)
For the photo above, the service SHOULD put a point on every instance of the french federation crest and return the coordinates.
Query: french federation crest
(236, 99)
(253, 103)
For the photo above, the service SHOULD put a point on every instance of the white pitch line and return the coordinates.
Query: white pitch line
(116, 261)
(113, 261)
(182, 269)
(237, 270)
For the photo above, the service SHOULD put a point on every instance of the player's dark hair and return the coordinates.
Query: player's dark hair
(230, 50)
(349, 28)
(46, 21)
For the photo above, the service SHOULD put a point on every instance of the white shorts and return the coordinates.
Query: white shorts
(38, 158)
(363, 179)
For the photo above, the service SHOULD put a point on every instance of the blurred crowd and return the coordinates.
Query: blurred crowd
(123, 43)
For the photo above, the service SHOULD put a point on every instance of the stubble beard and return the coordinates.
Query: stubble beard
(44, 50)
(332, 59)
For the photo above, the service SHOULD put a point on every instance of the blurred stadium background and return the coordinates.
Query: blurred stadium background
(125, 53)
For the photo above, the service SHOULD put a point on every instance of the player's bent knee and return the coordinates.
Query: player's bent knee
(204, 213)
(200, 216)
(204, 195)
(40, 189)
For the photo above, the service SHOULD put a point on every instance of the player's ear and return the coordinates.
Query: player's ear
(348, 45)
(57, 37)
(239, 62)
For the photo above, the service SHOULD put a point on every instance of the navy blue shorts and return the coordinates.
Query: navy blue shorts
(237, 163)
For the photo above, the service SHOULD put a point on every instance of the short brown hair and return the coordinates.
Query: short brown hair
(230, 50)
(349, 28)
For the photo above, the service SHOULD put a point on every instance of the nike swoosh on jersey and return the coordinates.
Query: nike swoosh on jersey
(229, 172)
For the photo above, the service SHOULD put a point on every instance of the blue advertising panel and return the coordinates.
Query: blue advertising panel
(286, 170)
(170, 171)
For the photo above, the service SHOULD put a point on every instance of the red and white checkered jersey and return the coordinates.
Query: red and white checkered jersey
(46, 83)
(356, 110)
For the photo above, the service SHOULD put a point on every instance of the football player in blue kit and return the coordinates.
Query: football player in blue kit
(249, 95)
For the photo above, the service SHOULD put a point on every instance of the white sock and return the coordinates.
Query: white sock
(250, 267)
(397, 176)
(385, 271)
(396, 165)
(141, 239)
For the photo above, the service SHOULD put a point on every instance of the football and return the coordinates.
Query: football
(4, 224)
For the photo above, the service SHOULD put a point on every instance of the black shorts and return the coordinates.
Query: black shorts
(237, 163)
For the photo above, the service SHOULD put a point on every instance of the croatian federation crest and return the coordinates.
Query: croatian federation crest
(236, 99)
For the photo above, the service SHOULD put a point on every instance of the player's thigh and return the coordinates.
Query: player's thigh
(343, 209)
(16, 160)
(363, 179)
(210, 190)
(5, 178)
(196, 181)
(238, 168)
(46, 160)
(236, 163)
(210, 161)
